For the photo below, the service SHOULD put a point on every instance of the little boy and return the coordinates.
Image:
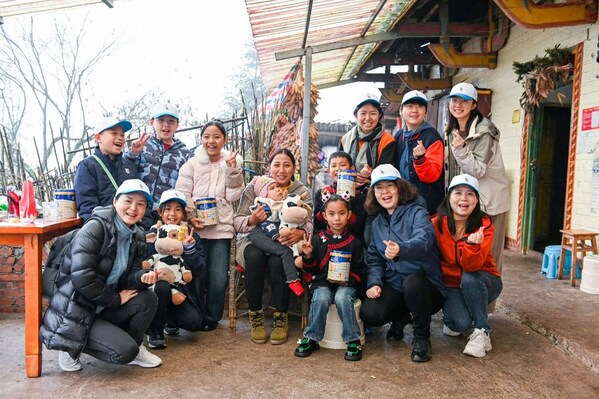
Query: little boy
(99, 175)
(325, 290)
(189, 315)
(160, 156)
(264, 236)
(340, 160)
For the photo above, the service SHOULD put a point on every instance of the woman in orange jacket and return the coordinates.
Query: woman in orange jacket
(465, 236)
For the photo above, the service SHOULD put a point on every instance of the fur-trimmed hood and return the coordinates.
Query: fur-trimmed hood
(202, 155)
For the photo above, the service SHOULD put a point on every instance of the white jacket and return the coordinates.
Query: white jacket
(199, 178)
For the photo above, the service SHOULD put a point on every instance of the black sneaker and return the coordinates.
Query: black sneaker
(156, 340)
(395, 332)
(353, 353)
(172, 331)
(421, 350)
(306, 347)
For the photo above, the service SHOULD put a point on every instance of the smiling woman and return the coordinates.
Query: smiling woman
(465, 237)
(102, 305)
(404, 280)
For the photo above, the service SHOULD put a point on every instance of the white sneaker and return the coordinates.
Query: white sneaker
(449, 332)
(146, 359)
(479, 343)
(67, 363)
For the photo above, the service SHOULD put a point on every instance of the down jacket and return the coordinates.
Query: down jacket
(82, 282)
(200, 178)
(93, 187)
(410, 226)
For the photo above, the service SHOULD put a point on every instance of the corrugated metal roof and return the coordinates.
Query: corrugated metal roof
(19, 7)
(279, 25)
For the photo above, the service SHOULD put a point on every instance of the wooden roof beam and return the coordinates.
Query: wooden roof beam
(451, 58)
(416, 83)
(532, 16)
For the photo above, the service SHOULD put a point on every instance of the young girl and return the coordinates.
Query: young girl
(215, 173)
(404, 273)
(102, 306)
(473, 142)
(465, 236)
(190, 313)
(316, 257)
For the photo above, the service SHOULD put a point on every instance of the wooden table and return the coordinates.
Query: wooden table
(32, 236)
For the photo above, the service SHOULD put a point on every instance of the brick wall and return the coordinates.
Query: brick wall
(12, 280)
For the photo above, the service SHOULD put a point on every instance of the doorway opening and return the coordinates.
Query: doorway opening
(548, 155)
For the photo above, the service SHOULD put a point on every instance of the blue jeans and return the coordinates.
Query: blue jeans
(322, 298)
(217, 274)
(468, 304)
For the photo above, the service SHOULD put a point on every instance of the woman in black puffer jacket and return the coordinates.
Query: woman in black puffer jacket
(102, 306)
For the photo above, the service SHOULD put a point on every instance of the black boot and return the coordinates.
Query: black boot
(395, 332)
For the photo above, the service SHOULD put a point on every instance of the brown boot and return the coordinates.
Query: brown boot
(258, 334)
(279, 331)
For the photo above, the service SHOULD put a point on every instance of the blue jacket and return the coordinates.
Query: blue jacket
(410, 226)
(93, 187)
(158, 168)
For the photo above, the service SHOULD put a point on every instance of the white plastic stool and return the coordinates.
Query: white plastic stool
(334, 328)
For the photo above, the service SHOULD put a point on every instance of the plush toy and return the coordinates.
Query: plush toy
(169, 260)
(294, 214)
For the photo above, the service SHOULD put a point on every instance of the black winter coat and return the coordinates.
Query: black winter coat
(82, 282)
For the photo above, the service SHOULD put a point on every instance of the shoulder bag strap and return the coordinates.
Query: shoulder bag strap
(97, 158)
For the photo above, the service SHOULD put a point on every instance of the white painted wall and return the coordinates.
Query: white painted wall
(523, 45)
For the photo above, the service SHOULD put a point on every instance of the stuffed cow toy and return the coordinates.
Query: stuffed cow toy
(169, 261)
(295, 213)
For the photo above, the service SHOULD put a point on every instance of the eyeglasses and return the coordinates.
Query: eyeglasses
(382, 188)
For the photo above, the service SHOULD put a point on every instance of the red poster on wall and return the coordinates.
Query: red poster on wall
(590, 118)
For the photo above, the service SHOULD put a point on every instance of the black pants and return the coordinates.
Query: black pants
(257, 265)
(185, 315)
(419, 297)
(117, 333)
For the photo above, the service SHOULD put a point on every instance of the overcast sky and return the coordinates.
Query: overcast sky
(188, 52)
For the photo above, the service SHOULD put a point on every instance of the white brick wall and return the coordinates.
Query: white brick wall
(522, 46)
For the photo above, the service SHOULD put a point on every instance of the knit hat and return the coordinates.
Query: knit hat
(261, 184)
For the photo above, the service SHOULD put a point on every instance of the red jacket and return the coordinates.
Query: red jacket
(459, 256)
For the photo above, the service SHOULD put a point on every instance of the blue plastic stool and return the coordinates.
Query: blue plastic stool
(551, 262)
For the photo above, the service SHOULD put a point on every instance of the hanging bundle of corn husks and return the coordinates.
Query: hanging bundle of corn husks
(289, 125)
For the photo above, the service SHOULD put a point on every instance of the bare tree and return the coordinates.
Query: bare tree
(52, 69)
(248, 90)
